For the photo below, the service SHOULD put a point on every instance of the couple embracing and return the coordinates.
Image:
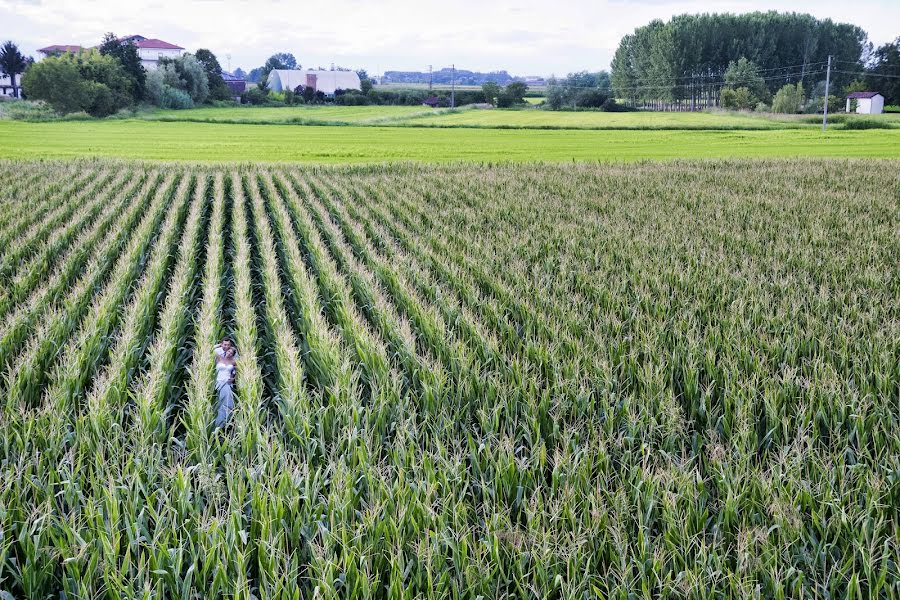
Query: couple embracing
(226, 372)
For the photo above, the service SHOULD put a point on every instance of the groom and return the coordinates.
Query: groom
(223, 347)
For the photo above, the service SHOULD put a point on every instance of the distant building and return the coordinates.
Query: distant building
(57, 49)
(237, 85)
(867, 103)
(151, 50)
(7, 90)
(321, 81)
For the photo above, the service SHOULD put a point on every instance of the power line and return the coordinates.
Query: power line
(866, 73)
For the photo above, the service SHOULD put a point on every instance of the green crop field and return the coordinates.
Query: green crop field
(279, 143)
(454, 381)
(294, 114)
(605, 120)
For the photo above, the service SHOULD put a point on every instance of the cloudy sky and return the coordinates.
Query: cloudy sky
(524, 37)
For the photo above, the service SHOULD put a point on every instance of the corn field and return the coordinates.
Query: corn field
(460, 381)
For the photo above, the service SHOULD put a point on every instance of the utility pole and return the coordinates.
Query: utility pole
(453, 86)
(825, 104)
(430, 78)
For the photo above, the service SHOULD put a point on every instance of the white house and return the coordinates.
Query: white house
(321, 81)
(867, 103)
(151, 50)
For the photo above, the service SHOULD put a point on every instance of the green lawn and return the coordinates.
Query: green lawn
(277, 143)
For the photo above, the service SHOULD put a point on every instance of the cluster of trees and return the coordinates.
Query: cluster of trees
(504, 97)
(883, 72)
(446, 76)
(279, 60)
(111, 77)
(581, 90)
(684, 61)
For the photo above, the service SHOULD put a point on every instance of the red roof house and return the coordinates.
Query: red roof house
(57, 49)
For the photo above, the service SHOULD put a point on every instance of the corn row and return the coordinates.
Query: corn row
(334, 291)
(25, 381)
(421, 372)
(89, 216)
(95, 253)
(97, 331)
(208, 332)
(26, 241)
(249, 412)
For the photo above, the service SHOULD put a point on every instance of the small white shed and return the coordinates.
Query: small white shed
(321, 81)
(867, 103)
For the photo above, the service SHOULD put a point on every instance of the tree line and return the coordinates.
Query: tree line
(683, 62)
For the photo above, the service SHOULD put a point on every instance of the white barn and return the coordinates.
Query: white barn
(321, 81)
(867, 103)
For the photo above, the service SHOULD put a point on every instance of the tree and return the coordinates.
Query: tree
(491, 92)
(87, 82)
(581, 90)
(789, 99)
(685, 59)
(57, 81)
(217, 88)
(127, 55)
(737, 98)
(744, 73)
(12, 62)
(365, 82)
(192, 76)
(279, 60)
(240, 74)
(512, 95)
(178, 83)
(884, 72)
(256, 75)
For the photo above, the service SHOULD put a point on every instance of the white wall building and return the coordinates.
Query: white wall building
(7, 90)
(151, 50)
(321, 81)
(867, 103)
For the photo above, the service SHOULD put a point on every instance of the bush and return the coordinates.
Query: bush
(27, 110)
(87, 82)
(815, 105)
(254, 96)
(175, 98)
(612, 106)
(591, 99)
(736, 99)
(762, 107)
(351, 98)
(867, 124)
(789, 99)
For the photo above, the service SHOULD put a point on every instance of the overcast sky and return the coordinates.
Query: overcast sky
(525, 37)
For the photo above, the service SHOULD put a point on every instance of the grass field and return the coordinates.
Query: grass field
(277, 143)
(294, 114)
(503, 118)
(454, 381)
(605, 120)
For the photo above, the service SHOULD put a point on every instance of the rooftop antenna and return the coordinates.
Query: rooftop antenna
(228, 58)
